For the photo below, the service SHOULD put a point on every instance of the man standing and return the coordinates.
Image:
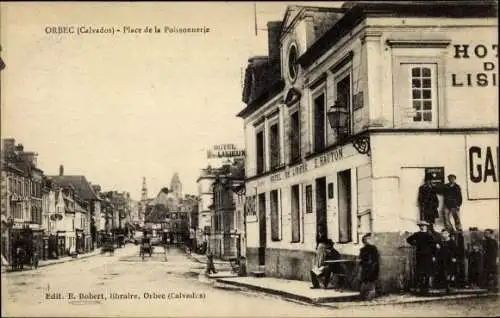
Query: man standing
(369, 262)
(452, 201)
(490, 248)
(428, 201)
(425, 246)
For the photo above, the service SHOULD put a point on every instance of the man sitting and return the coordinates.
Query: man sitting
(322, 271)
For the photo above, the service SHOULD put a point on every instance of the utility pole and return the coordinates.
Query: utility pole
(255, 16)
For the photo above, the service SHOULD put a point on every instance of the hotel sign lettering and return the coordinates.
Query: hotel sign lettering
(324, 159)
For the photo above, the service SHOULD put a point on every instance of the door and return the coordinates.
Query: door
(345, 213)
(262, 229)
(321, 205)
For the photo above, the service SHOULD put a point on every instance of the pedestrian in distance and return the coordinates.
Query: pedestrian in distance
(210, 264)
(428, 201)
(425, 247)
(490, 248)
(452, 195)
(369, 260)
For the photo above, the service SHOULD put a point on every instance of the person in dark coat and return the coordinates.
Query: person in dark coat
(428, 201)
(321, 272)
(452, 195)
(490, 248)
(425, 246)
(475, 259)
(370, 267)
(447, 259)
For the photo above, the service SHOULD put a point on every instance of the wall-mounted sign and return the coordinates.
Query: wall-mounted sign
(482, 166)
(225, 151)
(436, 175)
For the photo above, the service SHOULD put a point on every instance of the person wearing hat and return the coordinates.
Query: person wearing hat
(370, 267)
(428, 201)
(425, 247)
(452, 195)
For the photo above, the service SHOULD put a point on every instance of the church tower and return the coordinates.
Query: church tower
(176, 186)
(144, 190)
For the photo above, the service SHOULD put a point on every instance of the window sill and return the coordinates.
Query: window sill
(295, 242)
(275, 240)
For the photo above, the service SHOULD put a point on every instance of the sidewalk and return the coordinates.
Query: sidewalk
(201, 258)
(43, 263)
(301, 291)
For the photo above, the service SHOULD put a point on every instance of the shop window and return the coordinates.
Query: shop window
(309, 191)
(294, 138)
(275, 216)
(274, 146)
(319, 123)
(295, 209)
(260, 152)
(250, 207)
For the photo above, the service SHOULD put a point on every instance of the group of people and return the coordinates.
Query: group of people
(322, 270)
(438, 254)
(437, 260)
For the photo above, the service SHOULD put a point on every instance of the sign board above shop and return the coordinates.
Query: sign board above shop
(225, 151)
(482, 166)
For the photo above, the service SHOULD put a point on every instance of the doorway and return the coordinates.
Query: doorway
(262, 229)
(345, 213)
(321, 206)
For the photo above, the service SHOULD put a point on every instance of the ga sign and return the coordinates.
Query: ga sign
(482, 166)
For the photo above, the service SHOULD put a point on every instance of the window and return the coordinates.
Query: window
(274, 146)
(319, 123)
(421, 84)
(416, 96)
(294, 138)
(292, 62)
(260, 152)
(275, 216)
(250, 208)
(343, 98)
(344, 206)
(295, 192)
(309, 191)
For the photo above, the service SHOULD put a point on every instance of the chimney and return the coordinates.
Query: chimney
(28, 157)
(61, 170)
(273, 41)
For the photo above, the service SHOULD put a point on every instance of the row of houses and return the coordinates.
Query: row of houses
(352, 107)
(52, 215)
(171, 212)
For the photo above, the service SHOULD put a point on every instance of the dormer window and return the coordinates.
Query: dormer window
(292, 62)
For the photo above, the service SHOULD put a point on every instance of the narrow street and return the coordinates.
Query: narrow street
(24, 293)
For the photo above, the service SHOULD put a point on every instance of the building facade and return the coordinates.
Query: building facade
(370, 98)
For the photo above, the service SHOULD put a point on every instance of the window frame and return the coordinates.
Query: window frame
(432, 56)
(273, 150)
(317, 92)
(299, 216)
(295, 139)
(260, 130)
(339, 76)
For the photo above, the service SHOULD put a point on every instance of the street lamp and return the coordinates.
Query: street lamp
(338, 117)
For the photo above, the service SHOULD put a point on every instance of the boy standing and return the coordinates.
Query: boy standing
(369, 261)
(447, 254)
(452, 201)
(490, 248)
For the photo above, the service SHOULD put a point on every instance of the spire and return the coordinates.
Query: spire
(176, 185)
(144, 190)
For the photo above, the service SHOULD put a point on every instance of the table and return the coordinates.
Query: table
(347, 271)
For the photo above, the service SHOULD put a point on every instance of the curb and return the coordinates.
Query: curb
(409, 301)
(349, 300)
(290, 295)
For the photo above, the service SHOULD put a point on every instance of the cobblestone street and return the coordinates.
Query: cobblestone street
(24, 293)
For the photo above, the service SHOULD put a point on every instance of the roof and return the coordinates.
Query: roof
(80, 184)
(359, 10)
(158, 214)
(264, 97)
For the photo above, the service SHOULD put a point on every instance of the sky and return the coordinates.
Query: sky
(120, 107)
